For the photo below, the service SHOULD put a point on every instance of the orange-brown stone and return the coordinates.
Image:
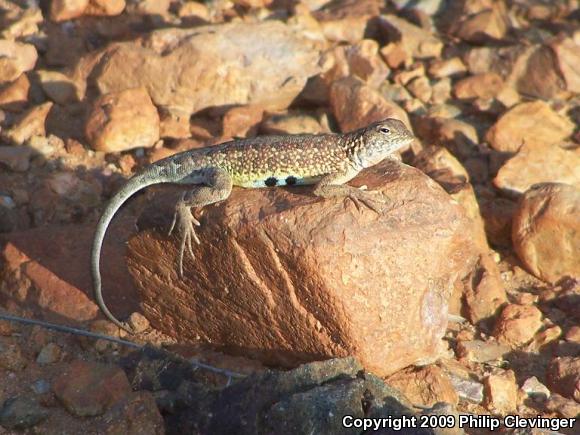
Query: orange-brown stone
(286, 277)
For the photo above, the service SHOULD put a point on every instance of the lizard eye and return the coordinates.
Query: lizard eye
(384, 130)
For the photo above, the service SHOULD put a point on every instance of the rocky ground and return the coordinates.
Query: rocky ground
(92, 90)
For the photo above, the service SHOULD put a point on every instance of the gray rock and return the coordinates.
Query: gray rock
(318, 410)
(21, 413)
(241, 408)
(40, 386)
(444, 414)
(310, 399)
(49, 354)
(467, 389)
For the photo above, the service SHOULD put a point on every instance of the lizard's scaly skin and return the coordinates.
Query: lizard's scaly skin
(327, 160)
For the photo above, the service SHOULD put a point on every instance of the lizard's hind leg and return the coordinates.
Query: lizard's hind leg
(217, 187)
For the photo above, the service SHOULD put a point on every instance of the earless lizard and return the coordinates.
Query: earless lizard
(326, 160)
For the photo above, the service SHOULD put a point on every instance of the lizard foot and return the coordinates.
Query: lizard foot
(185, 222)
(372, 199)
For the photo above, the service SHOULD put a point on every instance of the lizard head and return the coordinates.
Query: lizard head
(379, 140)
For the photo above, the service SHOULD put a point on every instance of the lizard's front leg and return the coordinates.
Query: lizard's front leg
(217, 187)
(333, 185)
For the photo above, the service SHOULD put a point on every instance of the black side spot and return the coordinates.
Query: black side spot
(271, 182)
(291, 181)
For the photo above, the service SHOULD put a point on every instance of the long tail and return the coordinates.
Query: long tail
(156, 174)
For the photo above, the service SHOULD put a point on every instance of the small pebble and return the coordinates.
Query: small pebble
(40, 386)
(7, 201)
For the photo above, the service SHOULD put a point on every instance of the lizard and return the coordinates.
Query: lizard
(327, 161)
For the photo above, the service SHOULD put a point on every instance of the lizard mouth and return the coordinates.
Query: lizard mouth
(406, 141)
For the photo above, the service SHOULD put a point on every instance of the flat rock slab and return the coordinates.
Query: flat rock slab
(188, 70)
(286, 277)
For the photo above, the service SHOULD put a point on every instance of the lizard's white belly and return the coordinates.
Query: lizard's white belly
(279, 180)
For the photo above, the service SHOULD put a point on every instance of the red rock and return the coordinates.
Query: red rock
(565, 407)
(533, 165)
(480, 351)
(497, 215)
(292, 124)
(242, 121)
(46, 270)
(15, 58)
(193, 10)
(395, 55)
(31, 123)
(105, 7)
(457, 136)
(63, 10)
(485, 86)
(536, 74)
(104, 327)
(173, 125)
(441, 92)
(484, 292)
(349, 8)
(440, 165)
(138, 322)
(531, 69)
(323, 289)
(14, 96)
(409, 74)
(424, 386)
(573, 334)
(162, 152)
(421, 89)
(534, 124)
(149, 7)
(567, 52)
(517, 324)
(419, 43)
(440, 68)
(351, 29)
(58, 86)
(437, 161)
(524, 298)
(6, 328)
(253, 3)
(501, 392)
(546, 231)
(545, 337)
(88, 388)
(123, 120)
(355, 105)
(509, 62)
(364, 62)
(185, 71)
(487, 25)
(347, 20)
(20, 23)
(563, 377)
